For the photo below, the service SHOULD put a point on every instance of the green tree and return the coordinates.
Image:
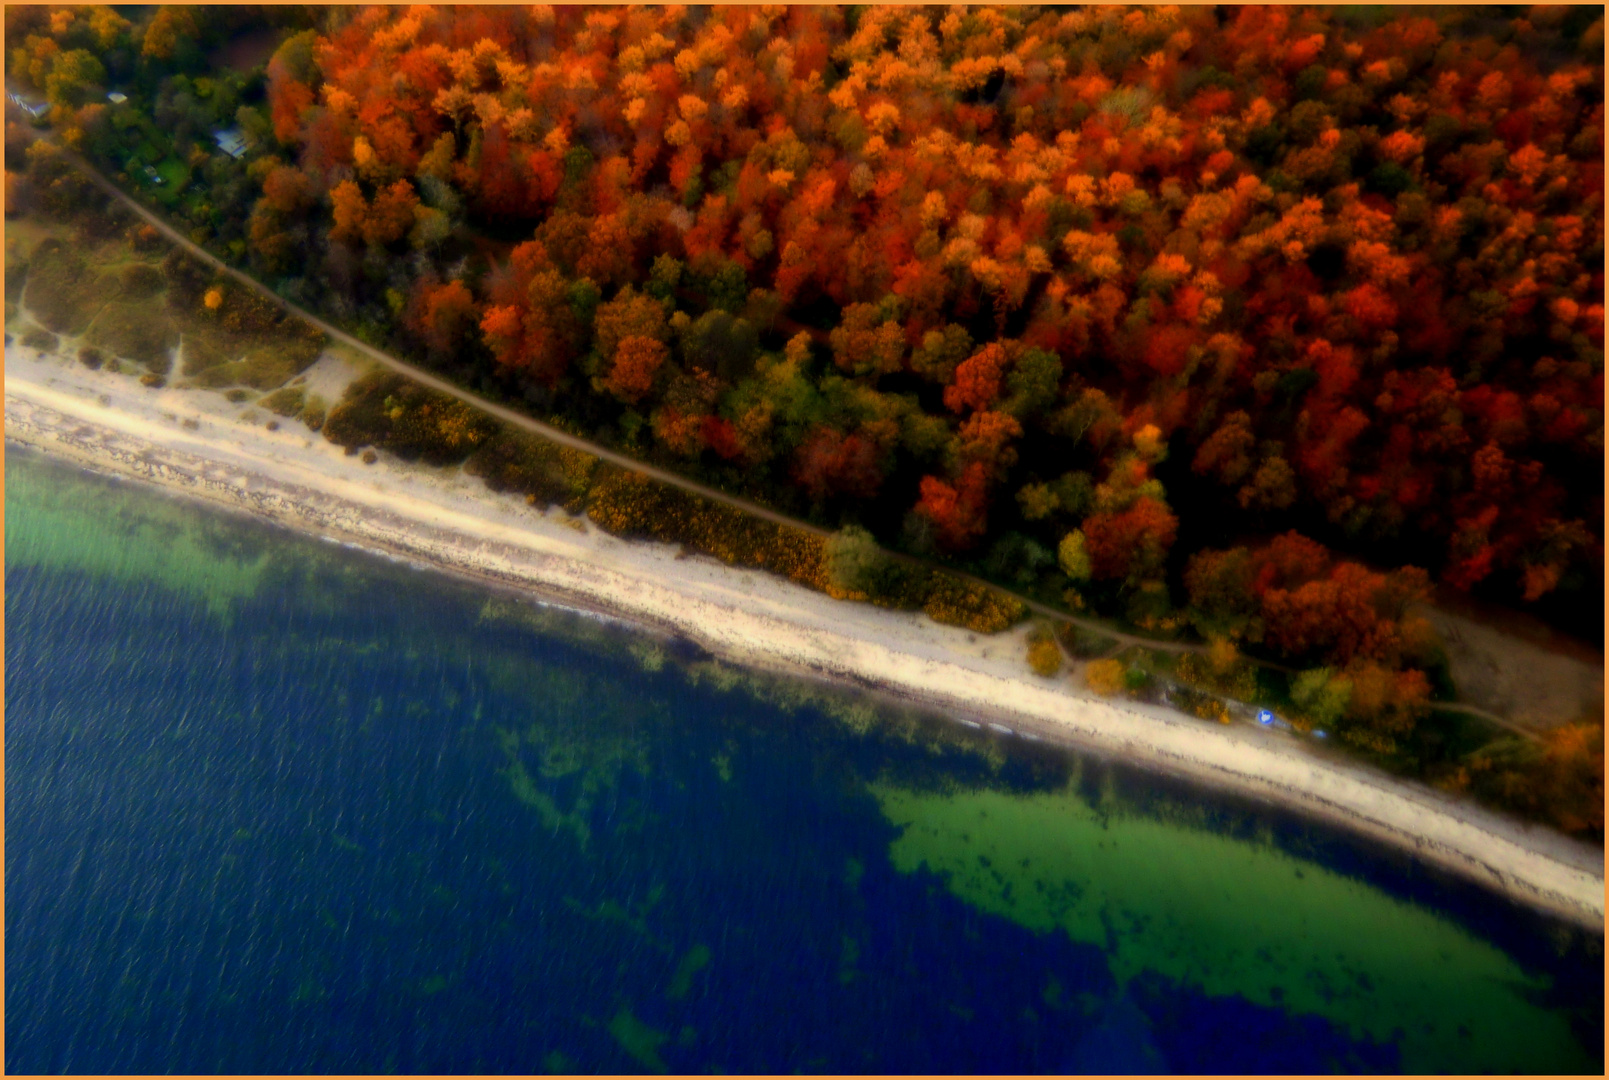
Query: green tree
(1221, 599)
(720, 343)
(728, 288)
(75, 76)
(1072, 557)
(941, 352)
(854, 560)
(1038, 501)
(1322, 694)
(1033, 383)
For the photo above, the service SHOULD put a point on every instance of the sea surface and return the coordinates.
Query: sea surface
(278, 806)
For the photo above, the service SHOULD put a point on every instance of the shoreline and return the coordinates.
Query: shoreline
(196, 443)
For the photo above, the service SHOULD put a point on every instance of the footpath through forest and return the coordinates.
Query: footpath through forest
(663, 475)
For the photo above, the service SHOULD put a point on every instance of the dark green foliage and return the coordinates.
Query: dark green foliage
(1018, 561)
(385, 410)
(584, 299)
(1148, 605)
(728, 288)
(1033, 382)
(937, 357)
(664, 277)
(1076, 493)
(856, 564)
(578, 162)
(1310, 82)
(1389, 179)
(721, 344)
(1263, 145)
(515, 461)
(1294, 383)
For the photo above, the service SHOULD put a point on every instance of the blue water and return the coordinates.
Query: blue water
(277, 806)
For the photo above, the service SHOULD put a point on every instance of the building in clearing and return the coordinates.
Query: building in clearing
(231, 142)
(116, 98)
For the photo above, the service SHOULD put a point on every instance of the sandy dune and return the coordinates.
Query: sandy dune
(197, 442)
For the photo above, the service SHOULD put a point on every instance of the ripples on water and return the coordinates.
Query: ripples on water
(275, 806)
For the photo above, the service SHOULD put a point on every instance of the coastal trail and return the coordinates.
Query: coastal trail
(665, 476)
(559, 435)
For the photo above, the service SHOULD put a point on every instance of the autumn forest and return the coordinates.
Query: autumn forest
(1242, 325)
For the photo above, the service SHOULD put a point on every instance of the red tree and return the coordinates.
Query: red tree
(958, 511)
(1133, 544)
(832, 463)
(977, 379)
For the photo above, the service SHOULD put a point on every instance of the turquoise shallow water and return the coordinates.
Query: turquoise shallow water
(278, 806)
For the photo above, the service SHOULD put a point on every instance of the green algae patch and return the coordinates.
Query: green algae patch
(635, 920)
(695, 960)
(60, 519)
(1230, 916)
(639, 1040)
(553, 819)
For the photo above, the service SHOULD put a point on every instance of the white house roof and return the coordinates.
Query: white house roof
(231, 142)
(32, 108)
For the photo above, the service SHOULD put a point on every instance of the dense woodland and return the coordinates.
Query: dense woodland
(1252, 324)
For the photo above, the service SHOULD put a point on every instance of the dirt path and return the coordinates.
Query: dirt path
(558, 435)
(1502, 673)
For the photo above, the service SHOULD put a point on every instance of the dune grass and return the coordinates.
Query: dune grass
(62, 291)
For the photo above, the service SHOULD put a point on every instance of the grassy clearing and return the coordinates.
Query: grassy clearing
(233, 337)
(174, 172)
(137, 330)
(43, 340)
(63, 292)
(140, 280)
(216, 359)
(287, 402)
(16, 277)
(24, 234)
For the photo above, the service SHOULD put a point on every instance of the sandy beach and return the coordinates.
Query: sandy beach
(199, 443)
